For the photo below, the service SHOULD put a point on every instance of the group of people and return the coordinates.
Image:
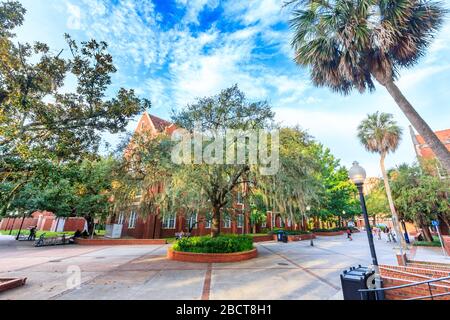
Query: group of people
(390, 234)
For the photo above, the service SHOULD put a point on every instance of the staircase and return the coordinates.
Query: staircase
(416, 277)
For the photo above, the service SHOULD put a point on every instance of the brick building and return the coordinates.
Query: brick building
(152, 225)
(424, 152)
(45, 221)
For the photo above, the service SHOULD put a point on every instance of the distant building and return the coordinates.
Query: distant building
(424, 152)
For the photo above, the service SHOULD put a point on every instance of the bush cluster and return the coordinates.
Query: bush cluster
(221, 244)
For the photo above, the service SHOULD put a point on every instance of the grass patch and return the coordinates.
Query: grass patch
(221, 244)
(171, 240)
(435, 243)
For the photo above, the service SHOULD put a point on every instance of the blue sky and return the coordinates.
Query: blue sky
(172, 51)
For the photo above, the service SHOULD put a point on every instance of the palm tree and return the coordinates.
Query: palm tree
(379, 133)
(347, 44)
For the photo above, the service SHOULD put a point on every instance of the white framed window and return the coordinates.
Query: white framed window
(239, 197)
(227, 222)
(289, 223)
(132, 220)
(193, 221)
(169, 221)
(208, 223)
(121, 219)
(240, 220)
(273, 220)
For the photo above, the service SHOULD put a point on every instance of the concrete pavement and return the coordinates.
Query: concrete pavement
(282, 271)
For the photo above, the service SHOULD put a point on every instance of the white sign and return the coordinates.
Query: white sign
(114, 231)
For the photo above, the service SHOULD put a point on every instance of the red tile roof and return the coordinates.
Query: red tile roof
(159, 124)
(423, 148)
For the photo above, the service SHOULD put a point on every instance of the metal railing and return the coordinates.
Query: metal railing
(428, 282)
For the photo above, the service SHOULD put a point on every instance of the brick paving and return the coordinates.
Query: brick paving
(282, 271)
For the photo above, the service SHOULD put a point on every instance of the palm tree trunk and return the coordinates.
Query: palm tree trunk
(420, 125)
(395, 219)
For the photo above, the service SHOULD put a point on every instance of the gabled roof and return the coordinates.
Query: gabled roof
(159, 124)
(423, 149)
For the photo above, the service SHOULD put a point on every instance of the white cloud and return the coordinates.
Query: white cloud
(74, 19)
(195, 7)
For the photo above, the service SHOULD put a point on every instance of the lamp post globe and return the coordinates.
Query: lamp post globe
(357, 174)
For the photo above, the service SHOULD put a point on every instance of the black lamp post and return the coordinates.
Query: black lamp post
(308, 209)
(358, 176)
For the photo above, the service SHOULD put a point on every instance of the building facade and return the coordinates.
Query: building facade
(425, 154)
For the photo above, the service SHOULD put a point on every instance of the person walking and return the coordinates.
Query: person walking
(388, 234)
(349, 234)
(393, 236)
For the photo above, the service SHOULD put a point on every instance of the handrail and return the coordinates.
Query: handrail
(427, 297)
(428, 282)
(408, 273)
(405, 285)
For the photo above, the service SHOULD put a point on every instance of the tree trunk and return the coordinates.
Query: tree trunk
(426, 232)
(215, 230)
(395, 219)
(90, 224)
(420, 125)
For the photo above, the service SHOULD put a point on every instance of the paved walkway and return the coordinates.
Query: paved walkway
(282, 271)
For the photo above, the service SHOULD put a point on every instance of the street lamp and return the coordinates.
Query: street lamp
(358, 176)
(308, 209)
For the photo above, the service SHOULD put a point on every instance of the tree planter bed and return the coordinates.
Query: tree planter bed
(119, 242)
(329, 234)
(7, 284)
(294, 238)
(211, 257)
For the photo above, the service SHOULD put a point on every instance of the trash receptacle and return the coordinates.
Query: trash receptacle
(285, 237)
(282, 236)
(355, 279)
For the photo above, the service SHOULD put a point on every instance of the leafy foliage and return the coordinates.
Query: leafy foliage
(348, 43)
(420, 197)
(380, 133)
(220, 244)
(40, 121)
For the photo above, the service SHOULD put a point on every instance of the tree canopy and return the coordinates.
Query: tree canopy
(42, 119)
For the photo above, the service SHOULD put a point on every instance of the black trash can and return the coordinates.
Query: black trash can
(282, 236)
(355, 279)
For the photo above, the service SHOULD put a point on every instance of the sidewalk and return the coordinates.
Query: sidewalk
(7, 240)
(429, 254)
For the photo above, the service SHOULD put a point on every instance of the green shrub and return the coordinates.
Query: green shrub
(221, 244)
